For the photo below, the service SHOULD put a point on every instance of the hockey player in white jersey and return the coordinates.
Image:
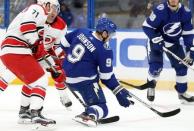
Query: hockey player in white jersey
(16, 53)
(51, 40)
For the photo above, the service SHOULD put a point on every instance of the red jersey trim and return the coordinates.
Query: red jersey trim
(28, 27)
(59, 23)
(14, 41)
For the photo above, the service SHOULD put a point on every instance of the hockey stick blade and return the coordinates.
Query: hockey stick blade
(141, 87)
(168, 114)
(108, 120)
(162, 114)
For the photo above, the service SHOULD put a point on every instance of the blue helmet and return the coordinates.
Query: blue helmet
(105, 24)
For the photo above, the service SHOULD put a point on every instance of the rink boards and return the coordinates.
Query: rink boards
(130, 61)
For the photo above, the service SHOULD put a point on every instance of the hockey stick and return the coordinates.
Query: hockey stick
(100, 121)
(141, 87)
(178, 58)
(162, 114)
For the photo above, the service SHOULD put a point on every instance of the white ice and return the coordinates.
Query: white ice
(134, 118)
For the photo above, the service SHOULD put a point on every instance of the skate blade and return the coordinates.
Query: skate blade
(41, 127)
(88, 123)
(25, 121)
(68, 108)
(186, 102)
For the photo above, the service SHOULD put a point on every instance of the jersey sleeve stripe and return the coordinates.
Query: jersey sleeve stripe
(191, 32)
(14, 42)
(105, 76)
(28, 27)
(145, 24)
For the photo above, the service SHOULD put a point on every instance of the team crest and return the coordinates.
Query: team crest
(172, 29)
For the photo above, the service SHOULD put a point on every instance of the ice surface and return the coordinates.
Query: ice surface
(134, 118)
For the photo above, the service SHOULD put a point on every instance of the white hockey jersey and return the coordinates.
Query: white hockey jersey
(53, 33)
(23, 30)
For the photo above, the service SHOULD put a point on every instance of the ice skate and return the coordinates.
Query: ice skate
(64, 98)
(41, 123)
(151, 90)
(85, 119)
(24, 115)
(186, 99)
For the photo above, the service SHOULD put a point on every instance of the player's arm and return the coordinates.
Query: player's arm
(188, 35)
(32, 16)
(108, 78)
(151, 25)
(187, 32)
(67, 39)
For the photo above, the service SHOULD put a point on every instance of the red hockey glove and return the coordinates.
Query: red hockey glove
(35, 46)
(40, 52)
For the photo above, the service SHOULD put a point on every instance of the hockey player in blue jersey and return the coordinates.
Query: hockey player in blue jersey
(89, 59)
(167, 23)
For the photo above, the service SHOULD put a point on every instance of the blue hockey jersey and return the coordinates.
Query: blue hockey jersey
(170, 25)
(88, 60)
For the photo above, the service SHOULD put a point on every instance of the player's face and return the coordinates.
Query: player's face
(107, 36)
(52, 13)
(173, 3)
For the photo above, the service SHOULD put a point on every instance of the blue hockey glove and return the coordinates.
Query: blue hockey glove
(122, 96)
(157, 43)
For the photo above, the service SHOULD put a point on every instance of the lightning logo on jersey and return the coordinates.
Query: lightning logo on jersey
(172, 29)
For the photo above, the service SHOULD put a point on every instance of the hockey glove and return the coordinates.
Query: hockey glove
(122, 96)
(157, 43)
(58, 76)
(35, 47)
(188, 58)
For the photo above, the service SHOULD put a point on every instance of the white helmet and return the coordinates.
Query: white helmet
(51, 2)
(55, 2)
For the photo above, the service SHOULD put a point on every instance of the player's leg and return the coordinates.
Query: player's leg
(63, 93)
(96, 108)
(62, 90)
(181, 75)
(24, 113)
(6, 77)
(155, 61)
(35, 77)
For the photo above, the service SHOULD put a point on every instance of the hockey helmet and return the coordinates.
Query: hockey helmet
(54, 4)
(179, 1)
(105, 24)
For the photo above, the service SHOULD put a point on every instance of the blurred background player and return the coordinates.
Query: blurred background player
(167, 23)
(16, 53)
(86, 52)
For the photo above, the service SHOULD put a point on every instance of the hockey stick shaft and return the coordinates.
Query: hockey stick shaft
(162, 114)
(55, 71)
(178, 58)
(134, 86)
(76, 96)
